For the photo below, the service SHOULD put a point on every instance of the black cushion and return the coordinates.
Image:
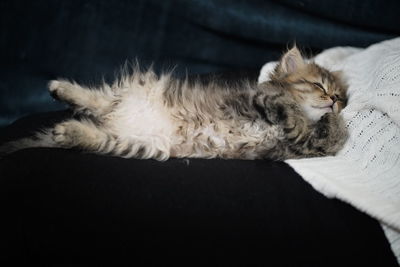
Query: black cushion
(66, 206)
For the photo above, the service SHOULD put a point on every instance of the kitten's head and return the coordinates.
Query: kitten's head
(316, 89)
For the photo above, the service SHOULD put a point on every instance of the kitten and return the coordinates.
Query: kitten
(293, 115)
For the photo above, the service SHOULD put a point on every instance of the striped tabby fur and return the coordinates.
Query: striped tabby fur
(294, 115)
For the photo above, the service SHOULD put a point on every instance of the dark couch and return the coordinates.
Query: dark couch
(64, 206)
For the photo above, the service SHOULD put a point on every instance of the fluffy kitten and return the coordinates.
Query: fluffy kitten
(294, 115)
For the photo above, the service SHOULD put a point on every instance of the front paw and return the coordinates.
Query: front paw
(328, 118)
(332, 125)
(295, 125)
(323, 126)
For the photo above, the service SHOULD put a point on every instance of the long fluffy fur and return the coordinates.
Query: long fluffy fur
(143, 115)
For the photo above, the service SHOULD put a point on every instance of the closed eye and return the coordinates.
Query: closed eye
(316, 84)
(319, 85)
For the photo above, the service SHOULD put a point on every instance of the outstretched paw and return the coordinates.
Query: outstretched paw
(62, 134)
(74, 133)
(61, 90)
(54, 88)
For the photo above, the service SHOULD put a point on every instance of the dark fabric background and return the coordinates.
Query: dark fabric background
(85, 40)
(69, 207)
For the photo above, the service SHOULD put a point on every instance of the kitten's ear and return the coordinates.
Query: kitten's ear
(338, 74)
(291, 61)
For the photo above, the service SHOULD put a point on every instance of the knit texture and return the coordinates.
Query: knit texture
(366, 172)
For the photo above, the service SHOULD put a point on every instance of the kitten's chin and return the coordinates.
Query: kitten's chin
(314, 114)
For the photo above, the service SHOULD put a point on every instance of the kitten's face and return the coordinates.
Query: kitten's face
(317, 90)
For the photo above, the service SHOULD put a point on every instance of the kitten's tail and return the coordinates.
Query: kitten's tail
(39, 139)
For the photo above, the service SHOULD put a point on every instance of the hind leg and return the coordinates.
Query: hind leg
(87, 136)
(80, 134)
(94, 102)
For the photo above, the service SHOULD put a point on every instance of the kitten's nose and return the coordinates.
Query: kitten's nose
(334, 98)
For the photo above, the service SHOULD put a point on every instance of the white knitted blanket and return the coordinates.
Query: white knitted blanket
(366, 172)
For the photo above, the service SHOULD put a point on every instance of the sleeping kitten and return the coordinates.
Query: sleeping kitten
(294, 115)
